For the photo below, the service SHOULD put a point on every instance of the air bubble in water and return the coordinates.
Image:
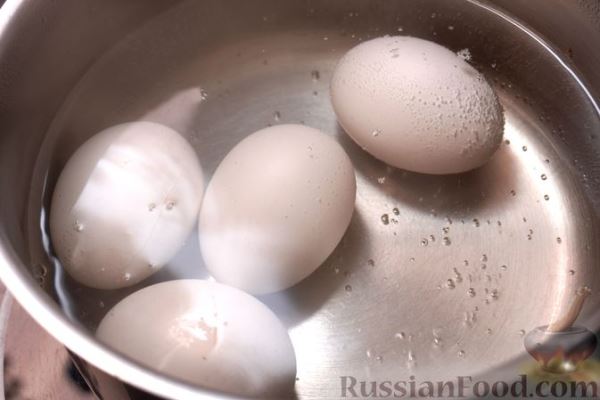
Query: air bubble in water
(465, 54)
(447, 241)
(424, 242)
(450, 284)
(471, 292)
(457, 276)
(316, 75)
(78, 226)
(348, 288)
(385, 219)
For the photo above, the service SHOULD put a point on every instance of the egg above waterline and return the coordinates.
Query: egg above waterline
(124, 204)
(276, 208)
(206, 334)
(417, 106)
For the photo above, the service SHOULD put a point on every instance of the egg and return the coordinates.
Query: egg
(204, 333)
(124, 204)
(275, 209)
(417, 106)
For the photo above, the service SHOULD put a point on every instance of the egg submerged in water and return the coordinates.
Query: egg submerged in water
(417, 106)
(276, 207)
(206, 334)
(124, 204)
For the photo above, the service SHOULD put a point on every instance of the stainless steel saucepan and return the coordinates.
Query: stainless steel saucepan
(522, 231)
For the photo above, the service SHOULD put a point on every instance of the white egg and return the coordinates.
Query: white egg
(204, 333)
(417, 106)
(124, 204)
(276, 208)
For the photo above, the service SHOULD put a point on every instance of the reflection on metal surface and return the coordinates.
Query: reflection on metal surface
(35, 366)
